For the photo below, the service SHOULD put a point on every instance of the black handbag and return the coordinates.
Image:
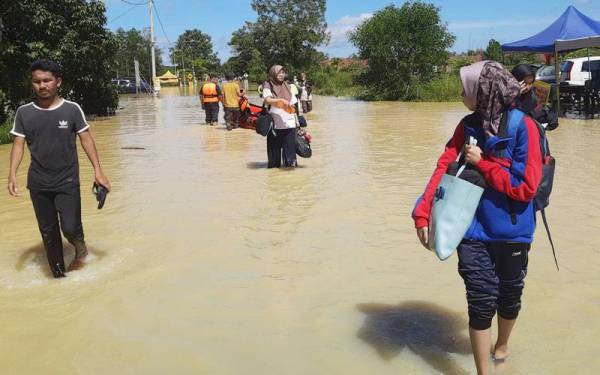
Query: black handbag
(302, 146)
(264, 123)
(302, 121)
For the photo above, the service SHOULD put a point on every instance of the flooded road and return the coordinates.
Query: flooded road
(205, 262)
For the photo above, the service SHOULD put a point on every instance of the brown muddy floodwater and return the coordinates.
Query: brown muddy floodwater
(205, 262)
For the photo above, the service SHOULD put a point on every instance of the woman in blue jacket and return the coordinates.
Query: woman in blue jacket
(493, 253)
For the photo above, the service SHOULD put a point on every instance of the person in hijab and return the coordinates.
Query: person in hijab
(528, 101)
(493, 255)
(278, 96)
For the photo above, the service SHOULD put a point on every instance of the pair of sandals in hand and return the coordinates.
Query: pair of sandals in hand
(100, 192)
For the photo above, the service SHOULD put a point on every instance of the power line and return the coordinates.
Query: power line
(161, 24)
(132, 3)
(122, 14)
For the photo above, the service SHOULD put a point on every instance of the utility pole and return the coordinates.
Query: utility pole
(155, 82)
(183, 67)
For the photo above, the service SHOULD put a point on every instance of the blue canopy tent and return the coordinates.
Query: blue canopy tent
(571, 31)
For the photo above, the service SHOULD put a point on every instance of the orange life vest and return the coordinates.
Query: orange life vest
(243, 104)
(209, 93)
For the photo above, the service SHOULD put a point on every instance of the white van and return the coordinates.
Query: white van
(576, 71)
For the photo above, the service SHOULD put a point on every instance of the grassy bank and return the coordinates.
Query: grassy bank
(341, 82)
(5, 128)
(443, 88)
(335, 83)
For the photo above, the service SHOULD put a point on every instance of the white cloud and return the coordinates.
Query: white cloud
(339, 31)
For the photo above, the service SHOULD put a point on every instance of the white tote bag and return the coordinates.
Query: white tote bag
(454, 207)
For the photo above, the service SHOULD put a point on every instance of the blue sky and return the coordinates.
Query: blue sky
(473, 22)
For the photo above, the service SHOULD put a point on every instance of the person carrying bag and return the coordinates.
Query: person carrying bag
(281, 141)
(493, 252)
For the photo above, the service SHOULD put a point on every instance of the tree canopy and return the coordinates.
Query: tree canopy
(194, 50)
(287, 32)
(71, 32)
(246, 58)
(493, 51)
(404, 47)
(134, 44)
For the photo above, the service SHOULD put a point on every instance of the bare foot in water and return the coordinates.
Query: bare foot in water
(81, 253)
(76, 264)
(500, 352)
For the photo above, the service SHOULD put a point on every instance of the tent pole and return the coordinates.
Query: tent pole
(557, 77)
(589, 65)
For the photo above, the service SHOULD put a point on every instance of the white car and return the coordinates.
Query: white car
(576, 71)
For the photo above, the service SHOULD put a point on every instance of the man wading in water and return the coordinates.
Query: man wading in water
(49, 126)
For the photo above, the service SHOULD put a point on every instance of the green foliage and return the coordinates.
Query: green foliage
(246, 58)
(493, 51)
(194, 51)
(5, 128)
(335, 81)
(287, 32)
(403, 46)
(442, 88)
(515, 58)
(460, 61)
(71, 32)
(582, 53)
(134, 44)
(475, 52)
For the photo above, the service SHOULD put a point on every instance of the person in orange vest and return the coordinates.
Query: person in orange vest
(210, 95)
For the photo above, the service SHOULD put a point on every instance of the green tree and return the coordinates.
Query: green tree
(515, 58)
(404, 48)
(134, 44)
(475, 52)
(493, 51)
(246, 57)
(71, 32)
(194, 51)
(288, 32)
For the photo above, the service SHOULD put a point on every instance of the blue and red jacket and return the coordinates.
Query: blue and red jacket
(506, 212)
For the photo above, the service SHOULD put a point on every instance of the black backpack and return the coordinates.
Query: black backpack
(542, 196)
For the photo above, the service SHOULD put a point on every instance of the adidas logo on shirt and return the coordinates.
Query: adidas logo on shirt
(63, 124)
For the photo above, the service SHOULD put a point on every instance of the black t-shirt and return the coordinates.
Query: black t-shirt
(50, 135)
